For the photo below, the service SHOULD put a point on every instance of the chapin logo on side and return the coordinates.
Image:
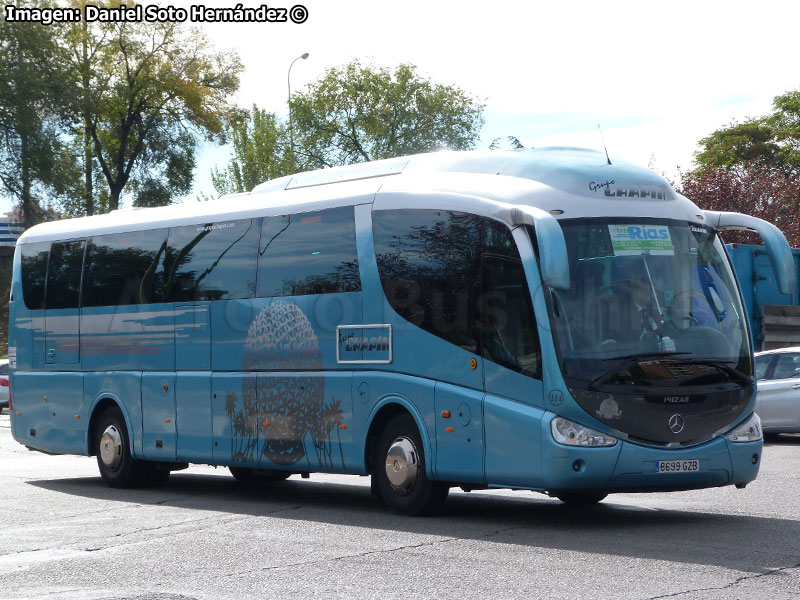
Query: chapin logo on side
(353, 343)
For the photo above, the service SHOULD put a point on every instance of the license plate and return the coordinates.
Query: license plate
(688, 465)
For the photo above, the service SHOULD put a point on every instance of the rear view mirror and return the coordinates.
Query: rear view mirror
(552, 246)
(780, 254)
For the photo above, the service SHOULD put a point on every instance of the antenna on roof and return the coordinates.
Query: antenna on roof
(604, 143)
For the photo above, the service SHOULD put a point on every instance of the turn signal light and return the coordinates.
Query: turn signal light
(445, 414)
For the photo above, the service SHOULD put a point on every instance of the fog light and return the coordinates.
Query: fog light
(755, 458)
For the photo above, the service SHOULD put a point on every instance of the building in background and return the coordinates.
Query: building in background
(10, 230)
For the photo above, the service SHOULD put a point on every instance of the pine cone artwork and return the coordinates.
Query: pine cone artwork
(281, 339)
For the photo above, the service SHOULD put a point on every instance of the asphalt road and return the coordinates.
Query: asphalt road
(65, 535)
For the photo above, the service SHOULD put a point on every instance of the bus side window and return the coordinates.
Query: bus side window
(211, 261)
(505, 314)
(64, 274)
(308, 253)
(428, 261)
(121, 268)
(34, 273)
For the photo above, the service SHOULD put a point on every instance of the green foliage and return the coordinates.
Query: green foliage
(260, 152)
(142, 95)
(772, 140)
(360, 113)
(752, 188)
(31, 92)
(160, 87)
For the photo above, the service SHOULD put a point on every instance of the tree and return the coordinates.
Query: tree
(506, 142)
(151, 90)
(754, 188)
(30, 90)
(260, 152)
(361, 113)
(773, 140)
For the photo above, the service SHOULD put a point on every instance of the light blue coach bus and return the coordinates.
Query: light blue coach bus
(540, 320)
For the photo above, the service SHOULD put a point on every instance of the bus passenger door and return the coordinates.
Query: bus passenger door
(512, 373)
(158, 416)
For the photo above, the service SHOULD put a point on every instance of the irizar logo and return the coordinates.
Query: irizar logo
(676, 399)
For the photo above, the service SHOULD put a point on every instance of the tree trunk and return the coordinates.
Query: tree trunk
(87, 138)
(26, 201)
(87, 162)
(116, 192)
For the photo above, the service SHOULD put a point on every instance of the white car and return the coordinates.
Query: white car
(778, 390)
(4, 386)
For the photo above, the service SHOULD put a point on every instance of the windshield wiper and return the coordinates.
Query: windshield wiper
(719, 363)
(630, 358)
(644, 355)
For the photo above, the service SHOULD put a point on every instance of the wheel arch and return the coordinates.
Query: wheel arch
(102, 402)
(387, 408)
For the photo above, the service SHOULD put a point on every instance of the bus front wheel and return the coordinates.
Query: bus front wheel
(399, 470)
(117, 467)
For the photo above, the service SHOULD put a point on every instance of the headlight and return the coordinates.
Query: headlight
(748, 431)
(571, 434)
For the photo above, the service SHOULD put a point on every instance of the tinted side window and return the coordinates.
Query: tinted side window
(428, 261)
(508, 328)
(762, 363)
(787, 366)
(308, 253)
(64, 274)
(122, 268)
(212, 261)
(34, 273)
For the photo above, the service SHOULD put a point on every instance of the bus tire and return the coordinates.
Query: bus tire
(117, 466)
(245, 475)
(399, 470)
(581, 498)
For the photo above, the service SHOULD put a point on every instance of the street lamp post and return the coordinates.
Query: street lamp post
(304, 56)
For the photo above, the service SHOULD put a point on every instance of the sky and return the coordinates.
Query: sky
(656, 76)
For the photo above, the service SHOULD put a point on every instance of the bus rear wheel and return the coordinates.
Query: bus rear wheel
(399, 470)
(117, 467)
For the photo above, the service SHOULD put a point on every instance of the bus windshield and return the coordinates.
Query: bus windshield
(653, 302)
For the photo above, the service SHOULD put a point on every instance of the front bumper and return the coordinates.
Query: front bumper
(630, 467)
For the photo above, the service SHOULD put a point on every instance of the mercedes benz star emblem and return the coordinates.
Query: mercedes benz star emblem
(676, 424)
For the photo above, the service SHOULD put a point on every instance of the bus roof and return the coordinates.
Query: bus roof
(584, 178)
(572, 170)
